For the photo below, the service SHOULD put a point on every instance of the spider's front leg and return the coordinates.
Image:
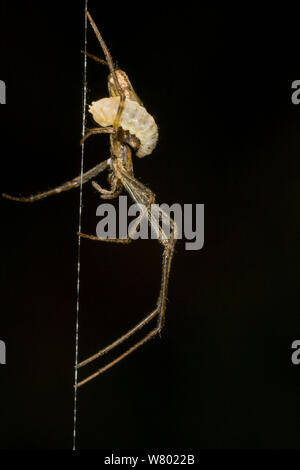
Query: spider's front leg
(74, 183)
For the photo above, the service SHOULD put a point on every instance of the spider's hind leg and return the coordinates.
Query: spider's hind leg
(102, 239)
(158, 311)
(141, 195)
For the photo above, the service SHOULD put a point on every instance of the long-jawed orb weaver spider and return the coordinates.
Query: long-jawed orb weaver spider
(129, 126)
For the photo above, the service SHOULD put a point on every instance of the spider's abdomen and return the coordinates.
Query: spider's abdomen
(134, 118)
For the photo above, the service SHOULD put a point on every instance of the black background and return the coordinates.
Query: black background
(218, 81)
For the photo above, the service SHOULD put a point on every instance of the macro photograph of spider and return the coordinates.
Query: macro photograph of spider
(137, 130)
(121, 332)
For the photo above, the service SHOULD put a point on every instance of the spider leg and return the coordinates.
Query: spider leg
(74, 183)
(94, 57)
(139, 193)
(120, 110)
(115, 191)
(97, 130)
(160, 311)
(144, 197)
(106, 53)
(102, 239)
(111, 68)
(137, 190)
(121, 339)
(118, 359)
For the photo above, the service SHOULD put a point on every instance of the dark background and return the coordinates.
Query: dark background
(218, 82)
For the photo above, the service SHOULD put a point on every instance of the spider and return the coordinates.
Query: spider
(130, 127)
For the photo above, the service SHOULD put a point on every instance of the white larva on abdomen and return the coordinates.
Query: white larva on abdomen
(134, 118)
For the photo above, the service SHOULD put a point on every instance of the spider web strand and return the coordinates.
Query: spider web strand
(79, 230)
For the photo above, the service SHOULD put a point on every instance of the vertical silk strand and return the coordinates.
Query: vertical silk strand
(84, 93)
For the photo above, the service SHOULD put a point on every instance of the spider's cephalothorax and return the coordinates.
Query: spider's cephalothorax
(123, 116)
